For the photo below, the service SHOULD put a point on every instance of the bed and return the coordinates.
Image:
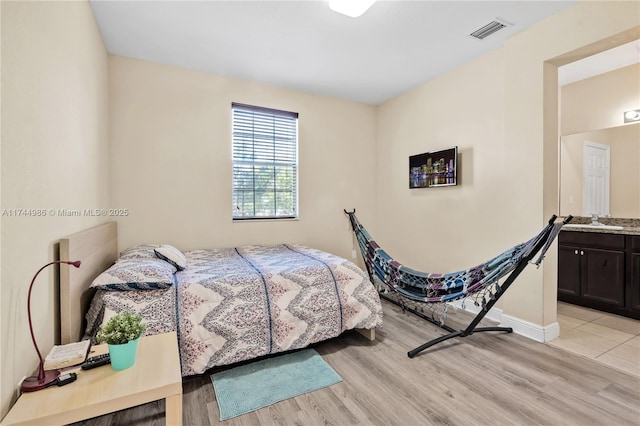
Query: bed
(226, 305)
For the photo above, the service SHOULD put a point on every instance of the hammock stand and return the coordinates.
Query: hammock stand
(481, 281)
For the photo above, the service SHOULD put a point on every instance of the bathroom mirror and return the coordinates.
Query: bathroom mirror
(624, 171)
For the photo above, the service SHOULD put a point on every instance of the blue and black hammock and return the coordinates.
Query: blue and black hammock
(482, 282)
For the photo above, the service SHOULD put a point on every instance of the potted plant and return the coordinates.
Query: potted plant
(122, 333)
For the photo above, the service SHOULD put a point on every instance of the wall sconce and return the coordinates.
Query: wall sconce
(632, 116)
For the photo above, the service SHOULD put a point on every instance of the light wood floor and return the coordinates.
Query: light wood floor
(484, 379)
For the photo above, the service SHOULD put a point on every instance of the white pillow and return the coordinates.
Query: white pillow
(172, 255)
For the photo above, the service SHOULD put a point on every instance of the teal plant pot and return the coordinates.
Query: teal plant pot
(123, 356)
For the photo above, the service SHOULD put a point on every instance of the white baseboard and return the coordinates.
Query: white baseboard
(532, 331)
(494, 314)
(520, 326)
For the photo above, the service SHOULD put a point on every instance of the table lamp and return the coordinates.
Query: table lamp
(44, 378)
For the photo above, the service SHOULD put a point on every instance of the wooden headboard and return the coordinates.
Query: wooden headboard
(97, 249)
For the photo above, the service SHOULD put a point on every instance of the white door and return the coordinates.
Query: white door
(595, 182)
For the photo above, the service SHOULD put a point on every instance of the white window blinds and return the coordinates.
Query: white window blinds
(265, 163)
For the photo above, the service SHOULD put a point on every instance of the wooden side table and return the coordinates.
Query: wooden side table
(155, 375)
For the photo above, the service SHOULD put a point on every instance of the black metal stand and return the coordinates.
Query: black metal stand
(471, 328)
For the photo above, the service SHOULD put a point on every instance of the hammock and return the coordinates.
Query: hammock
(432, 291)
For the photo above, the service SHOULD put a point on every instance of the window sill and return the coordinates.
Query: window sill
(265, 219)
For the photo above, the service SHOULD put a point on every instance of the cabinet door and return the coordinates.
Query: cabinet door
(603, 276)
(635, 282)
(568, 271)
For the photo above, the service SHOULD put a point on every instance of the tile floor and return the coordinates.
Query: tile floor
(610, 339)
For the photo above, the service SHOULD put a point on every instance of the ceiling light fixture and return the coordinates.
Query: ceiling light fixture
(352, 8)
(632, 116)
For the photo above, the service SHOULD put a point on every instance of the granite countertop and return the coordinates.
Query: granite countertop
(630, 226)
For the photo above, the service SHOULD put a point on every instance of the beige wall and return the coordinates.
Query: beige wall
(54, 156)
(502, 111)
(444, 229)
(4, 401)
(171, 160)
(599, 102)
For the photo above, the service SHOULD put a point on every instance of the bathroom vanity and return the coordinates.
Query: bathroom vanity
(600, 268)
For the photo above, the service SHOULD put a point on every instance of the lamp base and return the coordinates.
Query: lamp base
(32, 384)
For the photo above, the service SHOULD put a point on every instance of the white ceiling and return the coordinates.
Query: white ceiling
(303, 45)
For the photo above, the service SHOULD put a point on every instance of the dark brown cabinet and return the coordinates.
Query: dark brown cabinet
(602, 276)
(600, 271)
(568, 271)
(634, 273)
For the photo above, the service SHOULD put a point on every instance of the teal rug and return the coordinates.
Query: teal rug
(249, 387)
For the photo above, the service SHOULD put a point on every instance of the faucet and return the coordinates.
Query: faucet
(594, 220)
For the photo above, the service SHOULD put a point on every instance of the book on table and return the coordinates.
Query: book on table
(62, 356)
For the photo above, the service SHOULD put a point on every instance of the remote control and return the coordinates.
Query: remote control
(96, 361)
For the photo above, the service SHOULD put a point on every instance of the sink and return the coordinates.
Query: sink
(589, 226)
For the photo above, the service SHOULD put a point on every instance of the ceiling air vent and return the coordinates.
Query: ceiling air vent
(490, 28)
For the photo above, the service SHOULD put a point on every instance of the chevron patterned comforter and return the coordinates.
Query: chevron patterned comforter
(235, 304)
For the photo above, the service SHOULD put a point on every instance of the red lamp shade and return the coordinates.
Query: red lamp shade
(44, 378)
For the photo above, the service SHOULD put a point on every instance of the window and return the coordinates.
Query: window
(265, 163)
